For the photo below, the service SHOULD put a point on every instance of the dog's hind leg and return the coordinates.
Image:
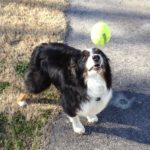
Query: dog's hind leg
(35, 82)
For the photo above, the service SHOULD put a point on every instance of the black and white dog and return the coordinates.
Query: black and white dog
(82, 77)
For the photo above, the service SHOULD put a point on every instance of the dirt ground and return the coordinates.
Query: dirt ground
(23, 25)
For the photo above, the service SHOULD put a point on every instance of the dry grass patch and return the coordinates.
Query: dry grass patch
(23, 25)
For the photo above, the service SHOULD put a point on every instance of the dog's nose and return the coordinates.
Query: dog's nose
(96, 58)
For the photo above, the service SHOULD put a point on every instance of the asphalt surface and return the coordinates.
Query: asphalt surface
(117, 129)
(125, 123)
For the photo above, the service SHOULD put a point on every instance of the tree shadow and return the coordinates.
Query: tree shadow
(40, 4)
(83, 12)
(132, 123)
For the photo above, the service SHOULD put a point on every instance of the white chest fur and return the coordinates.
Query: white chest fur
(96, 88)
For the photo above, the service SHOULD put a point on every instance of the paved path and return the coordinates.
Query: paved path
(117, 129)
(125, 124)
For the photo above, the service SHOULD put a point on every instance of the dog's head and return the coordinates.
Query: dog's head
(95, 61)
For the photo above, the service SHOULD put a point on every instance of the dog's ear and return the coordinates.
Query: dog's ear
(85, 54)
(72, 67)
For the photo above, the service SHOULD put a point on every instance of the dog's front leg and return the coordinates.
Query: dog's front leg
(92, 118)
(77, 125)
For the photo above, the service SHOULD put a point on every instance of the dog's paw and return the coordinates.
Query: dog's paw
(92, 119)
(21, 99)
(79, 129)
(22, 103)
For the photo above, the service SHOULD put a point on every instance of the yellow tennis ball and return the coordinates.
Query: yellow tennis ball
(100, 34)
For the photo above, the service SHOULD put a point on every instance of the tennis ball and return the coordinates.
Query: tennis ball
(100, 34)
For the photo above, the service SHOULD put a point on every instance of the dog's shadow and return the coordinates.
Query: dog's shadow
(43, 101)
(132, 123)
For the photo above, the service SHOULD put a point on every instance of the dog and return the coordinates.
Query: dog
(83, 78)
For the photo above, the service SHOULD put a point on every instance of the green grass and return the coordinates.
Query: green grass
(2, 62)
(3, 86)
(18, 133)
(21, 67)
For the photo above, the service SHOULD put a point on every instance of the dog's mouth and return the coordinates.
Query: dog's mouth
(96, 67)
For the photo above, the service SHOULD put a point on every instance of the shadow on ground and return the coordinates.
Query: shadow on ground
(43, 101)
(80, 11)
(125, 120)
(127, 117)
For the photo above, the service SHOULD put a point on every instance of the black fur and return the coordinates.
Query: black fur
(62, 66)
(57, 64)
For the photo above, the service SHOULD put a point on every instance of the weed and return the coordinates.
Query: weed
(2, 62)
(21, 67)
(3, 86)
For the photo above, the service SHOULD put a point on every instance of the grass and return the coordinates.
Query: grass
(18, 133)
(25, 24)
(3, 86)
(21, 67)
(21, 132)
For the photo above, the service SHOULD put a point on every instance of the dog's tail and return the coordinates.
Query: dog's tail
(36, 55)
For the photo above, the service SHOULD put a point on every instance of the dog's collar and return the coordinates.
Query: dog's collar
(97, 99)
